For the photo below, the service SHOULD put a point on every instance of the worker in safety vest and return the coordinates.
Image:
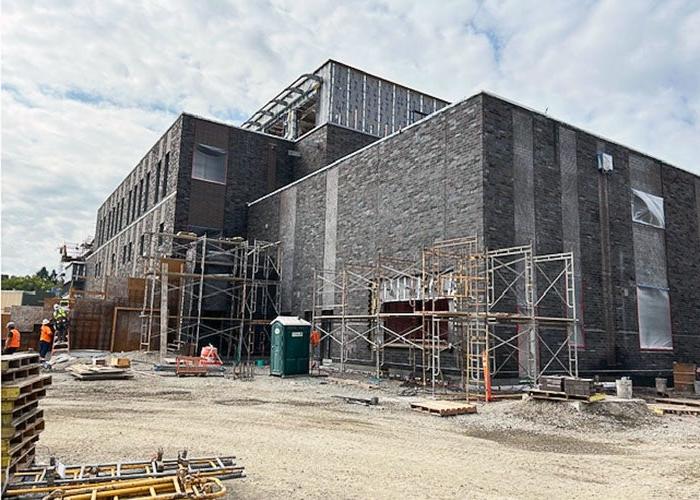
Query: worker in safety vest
(315, 340)
(13, 339)
(60, 321)
(45, 338)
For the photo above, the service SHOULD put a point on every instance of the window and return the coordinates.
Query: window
(648, 209)
(165, 175)
(145, 191)
(142, 244)
(128, 208)
(157, 186)
(114, 261)
(209, 164)
(140, 203)
(654, 313)
(129, 252)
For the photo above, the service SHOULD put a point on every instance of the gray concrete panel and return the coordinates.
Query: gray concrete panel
(288, 216)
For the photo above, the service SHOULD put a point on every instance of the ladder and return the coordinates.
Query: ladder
(477, 329)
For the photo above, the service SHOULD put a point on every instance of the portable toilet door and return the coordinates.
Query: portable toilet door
(277, 349)
(289, 348)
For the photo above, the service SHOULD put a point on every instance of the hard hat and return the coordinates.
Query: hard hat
(44, 321)
(10, 324)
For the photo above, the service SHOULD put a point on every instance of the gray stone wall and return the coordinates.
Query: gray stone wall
(325, 145)
(578, 209)
(396, 197)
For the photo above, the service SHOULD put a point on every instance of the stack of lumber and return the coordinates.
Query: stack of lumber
(22, 419)
(95, 372)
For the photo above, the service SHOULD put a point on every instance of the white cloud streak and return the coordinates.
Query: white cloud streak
(88, 87)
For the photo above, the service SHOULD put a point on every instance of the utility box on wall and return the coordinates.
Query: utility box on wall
(289, 350)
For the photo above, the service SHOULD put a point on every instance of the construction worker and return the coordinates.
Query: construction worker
(45, 338)
(315, 340)
(60, 322)
(13, 339)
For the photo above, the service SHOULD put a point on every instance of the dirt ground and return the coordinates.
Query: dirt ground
(297, 441)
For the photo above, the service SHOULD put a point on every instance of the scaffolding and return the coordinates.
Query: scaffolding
(499, 313)
(199, 289)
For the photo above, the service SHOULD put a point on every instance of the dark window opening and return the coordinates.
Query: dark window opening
(209, 164)
(155, 191)
(145, 191)
(165, 175)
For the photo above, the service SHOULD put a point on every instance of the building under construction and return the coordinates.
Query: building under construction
(417, 235)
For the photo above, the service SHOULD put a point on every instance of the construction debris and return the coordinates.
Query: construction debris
(444, 408)
(373, 401)
(96, 372)
(191, 477)
(22, 419)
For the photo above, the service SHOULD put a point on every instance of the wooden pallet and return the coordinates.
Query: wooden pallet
(32, 429)
(22, 372)
(21, 423)
(15, 361)
(679, 401)
(675, 409)
(562, 396)
(9, 406)
(444, 408)
(19, 410)
(14, 390)
(19, 453)
(93, 372)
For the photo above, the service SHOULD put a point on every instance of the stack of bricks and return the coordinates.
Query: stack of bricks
(23, 386)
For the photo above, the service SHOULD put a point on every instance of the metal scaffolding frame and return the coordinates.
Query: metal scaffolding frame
(504, 311)
(221, 290)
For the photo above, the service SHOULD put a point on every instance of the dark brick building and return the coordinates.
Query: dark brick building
(354, 165)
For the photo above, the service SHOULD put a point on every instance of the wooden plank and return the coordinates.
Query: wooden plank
(679, 401)
(444, 408)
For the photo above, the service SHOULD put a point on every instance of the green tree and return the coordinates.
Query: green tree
(42, 280)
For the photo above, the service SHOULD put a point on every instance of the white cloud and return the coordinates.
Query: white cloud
(88, 87)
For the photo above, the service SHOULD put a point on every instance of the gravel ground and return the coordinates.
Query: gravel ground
(297, 441)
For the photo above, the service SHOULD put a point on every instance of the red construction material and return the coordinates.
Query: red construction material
(190, 365)
(210, 356)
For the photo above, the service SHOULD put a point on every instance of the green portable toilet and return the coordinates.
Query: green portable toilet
(289, 351)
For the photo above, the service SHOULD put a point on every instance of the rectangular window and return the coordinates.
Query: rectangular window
(130, 252)
(161, 230)
(128, 208)
(165, 174)
(145, 191)
(654, 313)
(209, 164)
(140, 204)
(114, 261)
(157, 186)
(121, 214)
(648, 209)
(142, 244)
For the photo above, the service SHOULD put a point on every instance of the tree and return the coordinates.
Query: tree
(42, 280)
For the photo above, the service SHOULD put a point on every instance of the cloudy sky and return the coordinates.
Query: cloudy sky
(88, 87)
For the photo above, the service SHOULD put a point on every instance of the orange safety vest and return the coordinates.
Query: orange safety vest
(315, 338)
(13, 339)
(46, 334)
